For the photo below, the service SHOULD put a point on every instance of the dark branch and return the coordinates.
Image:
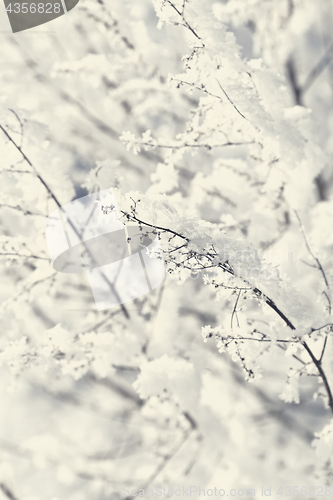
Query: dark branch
(181, 14)
(210, 257)
(322, 374)
(7, 492)
(318, 69)
(55, 199)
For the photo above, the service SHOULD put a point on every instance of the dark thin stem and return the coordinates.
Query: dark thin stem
(284, 341)
(20, 209)
(235, 107)
(7, 492)
(224, 266)
(53, 196)
(297, 91)
(55, 199)
(234, 309)
(322, 374)
(318, 69)
(194, 145)
(319, 328)
(294, 355)
(5, 254)
(135, 218)
(319, 266)
(21, 124)
(323, 349)
(273, 306)
(183, 18)
(202, 88)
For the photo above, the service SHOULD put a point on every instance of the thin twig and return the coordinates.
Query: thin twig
(20, 122)
(319, 266)
(318, 69)
(224, 266)
(5, 254)
(193, 145)
(135, 218)
(234, 105)
(7, 492)
(322, 374)
(323, 349)
(294, 355)
(234, 312)
(183, 18)
(284, 341)
(294, 82)
(55, 199)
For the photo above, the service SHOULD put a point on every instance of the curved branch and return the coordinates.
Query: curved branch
(224, 266)
(322, 374)
(55, 199)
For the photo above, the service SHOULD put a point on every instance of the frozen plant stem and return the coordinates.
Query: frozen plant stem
(318, 364)
(7, 492)
(55, 199)
(226, 267)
